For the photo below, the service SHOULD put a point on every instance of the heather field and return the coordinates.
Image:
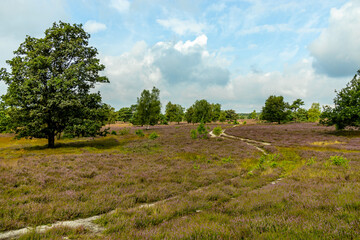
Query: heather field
(307, 186)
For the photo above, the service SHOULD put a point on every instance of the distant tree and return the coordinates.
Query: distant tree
(301, 115)
(231, 115)
(346, 111)
(202, 111)
(148, 108)
(275, 109)
(50, 82)
(174, 112)
(111, 114)
(314, 112)
(124, 114)
(294, 107)
(216, 110)
(253, 115)
(189, 115)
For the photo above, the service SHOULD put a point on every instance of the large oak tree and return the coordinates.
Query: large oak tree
(49, 84)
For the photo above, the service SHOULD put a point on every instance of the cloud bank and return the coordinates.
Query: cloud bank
(337, 49)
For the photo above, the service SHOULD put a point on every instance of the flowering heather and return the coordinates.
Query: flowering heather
(201, 188)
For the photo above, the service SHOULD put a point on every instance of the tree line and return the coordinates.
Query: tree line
(50, 79)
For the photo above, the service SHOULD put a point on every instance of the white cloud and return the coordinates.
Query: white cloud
(94, 27)
(337, 49)
(182, 27)
(121, 6)
(181, 70)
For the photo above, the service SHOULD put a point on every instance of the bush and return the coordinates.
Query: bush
(124, 131)
(226, 160)
(217, 131)
(153, 136)
(339, 161)
(113, 132)
(140, 133)
(244, 122)
(193, 134)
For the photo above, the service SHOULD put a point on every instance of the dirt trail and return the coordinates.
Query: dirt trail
(89, 224)
(256, 144)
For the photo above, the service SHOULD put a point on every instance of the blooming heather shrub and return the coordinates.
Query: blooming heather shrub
(153, 136)
(140, 133)
(217, 131)
(339, 161)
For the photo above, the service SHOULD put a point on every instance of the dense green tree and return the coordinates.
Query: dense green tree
(111, 114)
(189, 115)
(275, 109)
(346, 111)
(148, 108)
(297, 115)
(174, 112)
(49, 83)
(253, 115)
(125, 114)
(216, 111)
(4, 118)
(314, 112)
(202, 111)
(231, 115)
(222, 117)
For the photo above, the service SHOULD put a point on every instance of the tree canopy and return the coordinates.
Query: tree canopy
(200, 111)
(275, 109)
(49, 84)
(174, 112)
(346, 111)
(148, 108)
(314, 112)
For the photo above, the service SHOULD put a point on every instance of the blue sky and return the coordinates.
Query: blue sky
(232, 52)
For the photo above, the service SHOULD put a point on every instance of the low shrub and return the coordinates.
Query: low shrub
(140, 133)
(153, 136)
(339, 161)
(217, 131)
(113, 132)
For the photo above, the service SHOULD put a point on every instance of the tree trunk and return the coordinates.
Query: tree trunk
(51, 140)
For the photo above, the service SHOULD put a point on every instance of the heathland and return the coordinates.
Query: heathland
(168, 185)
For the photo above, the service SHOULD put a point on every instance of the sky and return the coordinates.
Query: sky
(233, 52)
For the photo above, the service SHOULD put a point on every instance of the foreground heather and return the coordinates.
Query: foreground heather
(214, 189)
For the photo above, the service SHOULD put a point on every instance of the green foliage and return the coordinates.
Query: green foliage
(275, 109)
(49, 84)
(200, 111)
(124, 114)
(4, 118)
(310, 161)
(200, 132)
(217, 131)
(314, 112)
(124, 131)
(222, 117)
(153, 136)
(226, 160)
(174, 112)
(235, 122)
(113, 132)
(244, 122)
(230, 115)
(216, 111)
(140, 133)
(339, 161)
(193, 134)
(148, 108)
(253, 115)
(268, 160)
(346, 111)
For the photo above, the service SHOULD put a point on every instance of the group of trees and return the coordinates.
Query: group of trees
(49, 85)
(277, 110)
